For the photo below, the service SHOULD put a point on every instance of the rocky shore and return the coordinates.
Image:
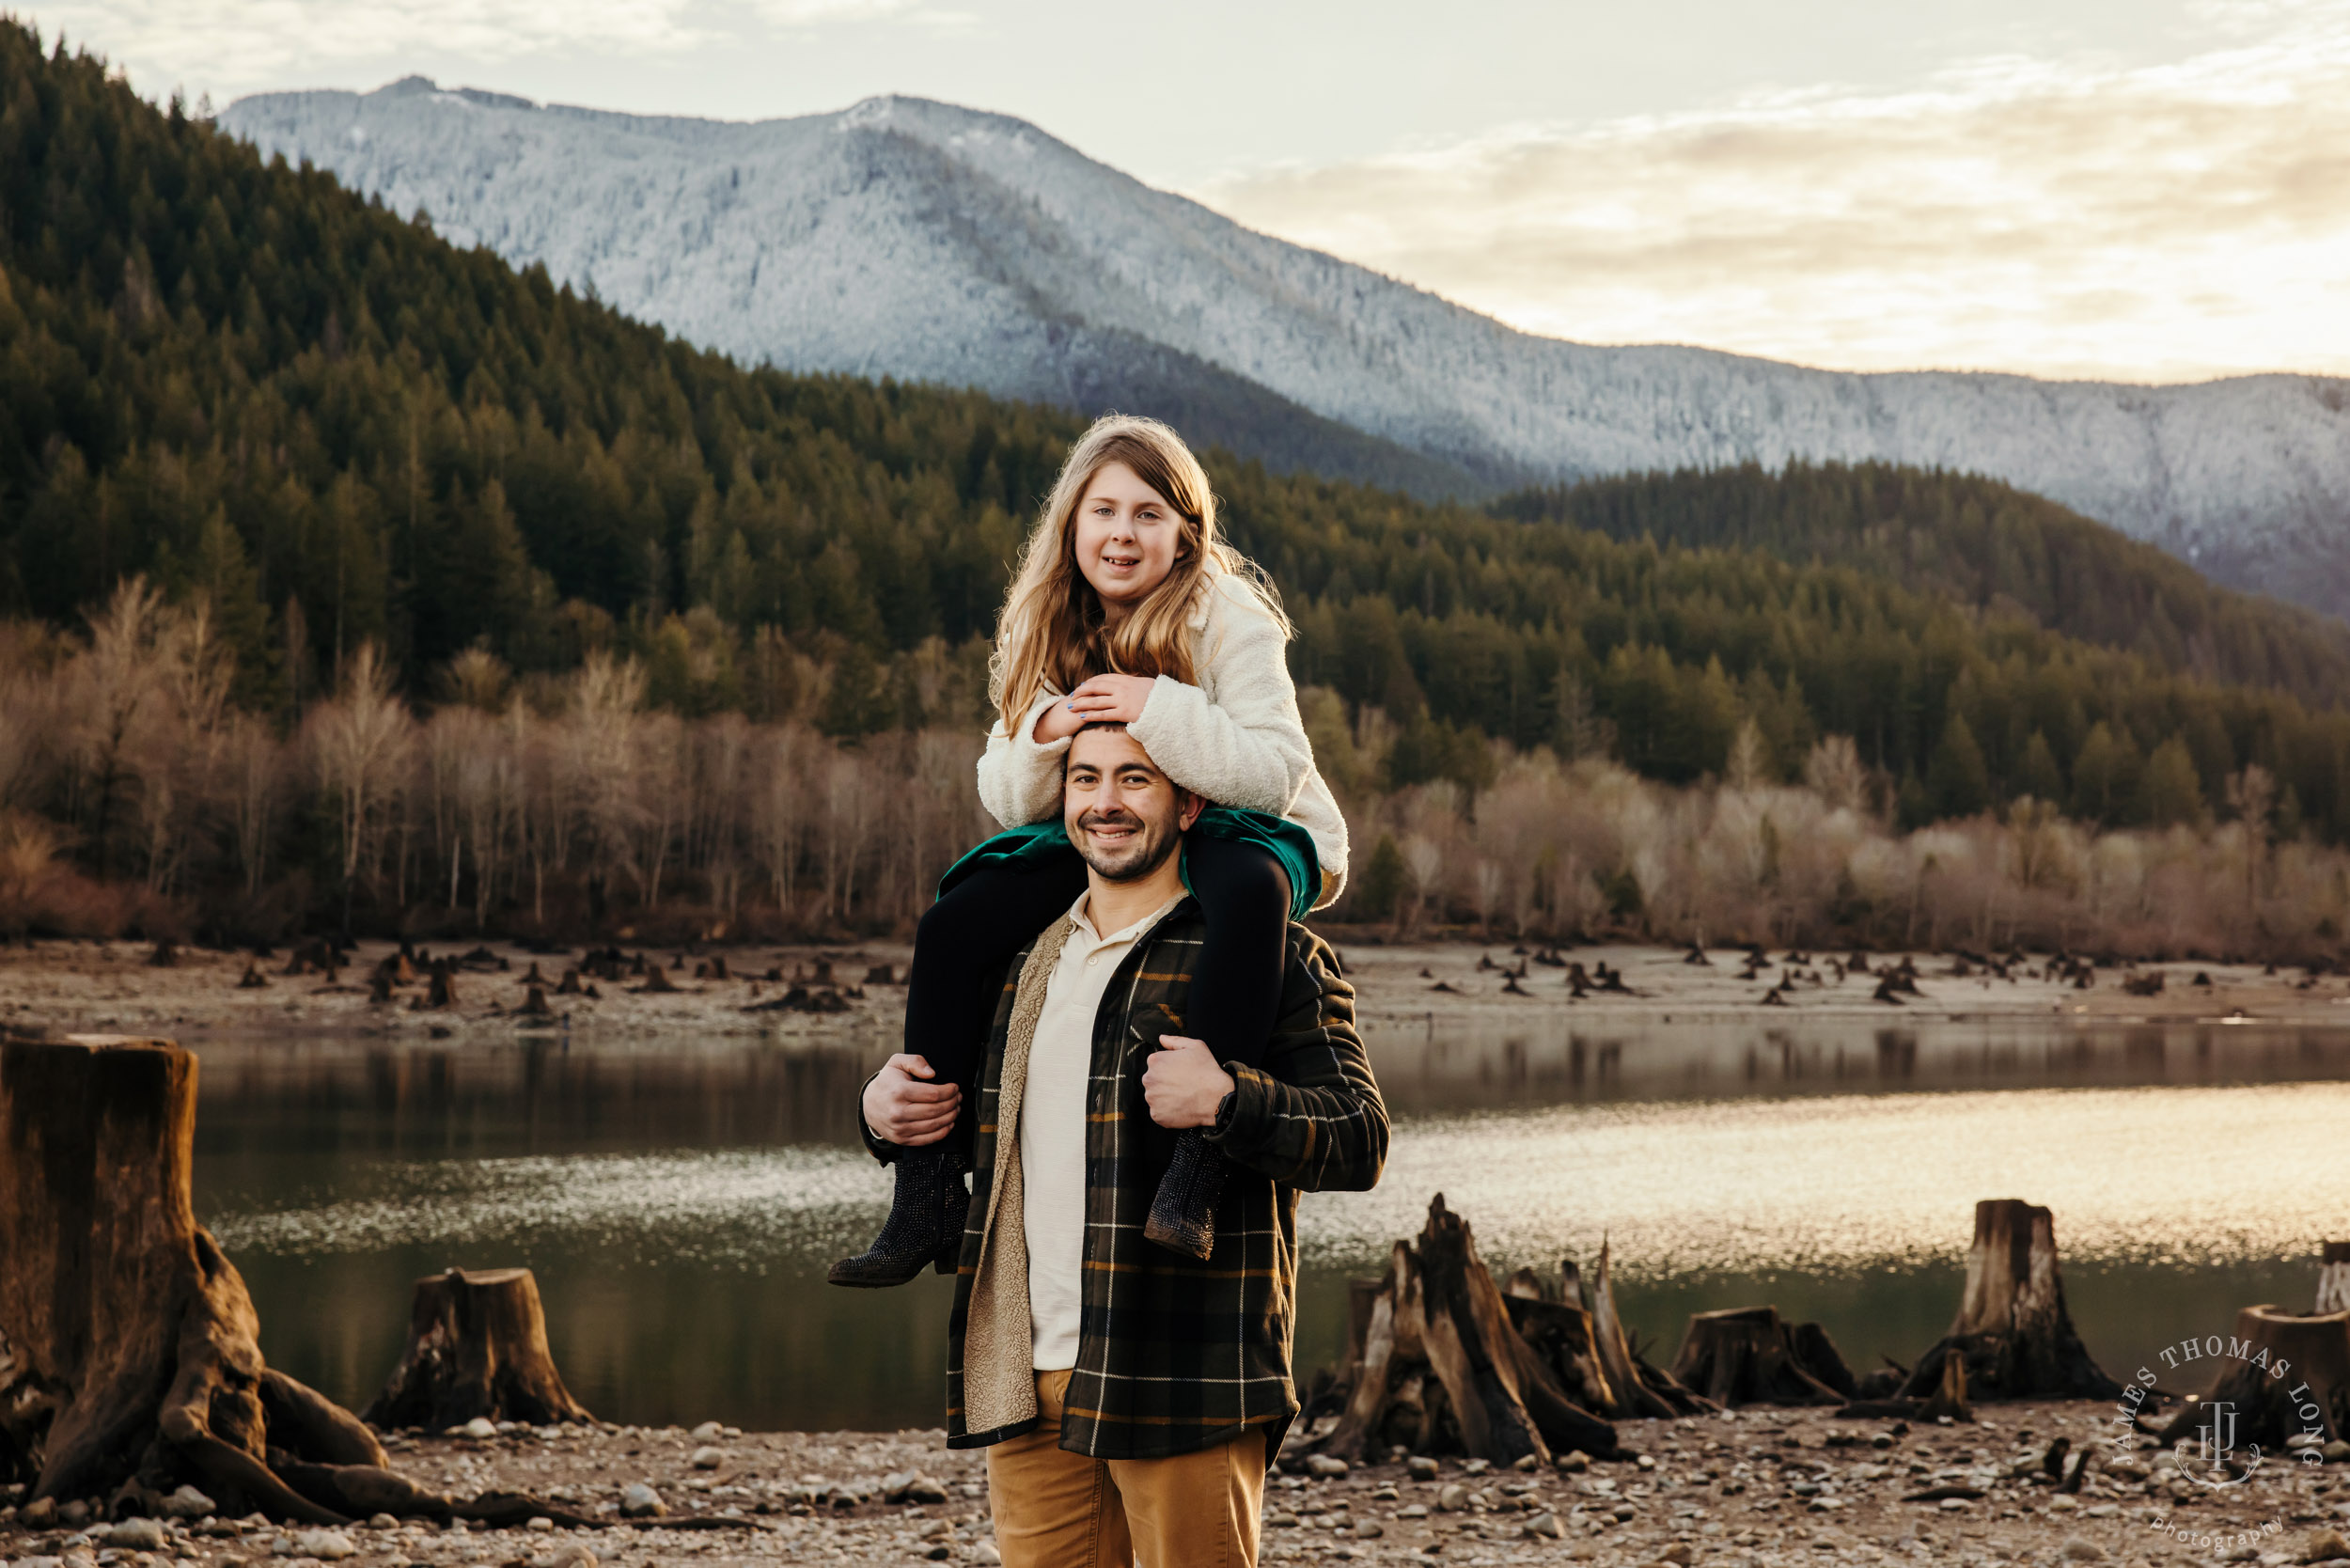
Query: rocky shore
(838, 992)
(1761, 1488)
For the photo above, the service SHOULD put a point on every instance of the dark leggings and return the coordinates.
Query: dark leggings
(964, 941)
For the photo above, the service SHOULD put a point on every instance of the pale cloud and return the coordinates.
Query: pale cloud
(2060, 218)
(235, 46)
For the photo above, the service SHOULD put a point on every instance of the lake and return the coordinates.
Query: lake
(680, 1203)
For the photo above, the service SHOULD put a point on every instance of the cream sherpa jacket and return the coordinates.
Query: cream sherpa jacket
(1235, 737)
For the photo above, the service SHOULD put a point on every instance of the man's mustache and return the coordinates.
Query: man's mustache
(1091, 820)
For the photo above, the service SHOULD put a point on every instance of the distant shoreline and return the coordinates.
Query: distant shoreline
(112, 987)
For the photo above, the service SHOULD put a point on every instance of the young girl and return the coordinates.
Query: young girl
(1126, 608)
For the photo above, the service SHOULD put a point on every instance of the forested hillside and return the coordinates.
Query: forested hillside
(252, 386)
(1988, 544)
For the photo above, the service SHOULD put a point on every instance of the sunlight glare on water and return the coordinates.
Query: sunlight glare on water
(1826, 1185)
(739, 1207)
(2151, 1175)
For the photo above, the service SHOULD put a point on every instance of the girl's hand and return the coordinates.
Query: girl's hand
(1109, 699)
(1055, 723)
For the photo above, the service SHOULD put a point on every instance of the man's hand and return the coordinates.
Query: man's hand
(902, 1109)
(1110, 699)
(1183, 1085)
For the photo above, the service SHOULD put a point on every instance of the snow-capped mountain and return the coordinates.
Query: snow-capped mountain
(907, 238)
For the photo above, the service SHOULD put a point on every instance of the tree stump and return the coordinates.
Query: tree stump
(1748, 1356)
(2333, 1278)
(1559, 1333)
(1640, 1389)
(477, 1346)
(2011, 1327)
(1435, 1358)
(1468, 1340)
(2312, 1395)
(131, 1364)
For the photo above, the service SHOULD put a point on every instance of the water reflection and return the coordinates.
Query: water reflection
(1430, 1067)
(679, 1203)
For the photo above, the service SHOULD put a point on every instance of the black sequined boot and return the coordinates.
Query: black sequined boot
(1183, 1211)
(925, 1225)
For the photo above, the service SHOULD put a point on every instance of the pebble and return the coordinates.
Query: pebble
(985, 1552)
(538, 1522)
(1328, 1466)
(1543, 1527)
(2078, 1550)
(708, 1432)
(479, 1428)
(708, 1458)
(2323, 1544)
(1453, 1498)
(640, 1501)
(1420, 1467)
(2336, 1452)
(573, 1555)
(1575, 1462)
(139, 1536)
(189, 1503)
(328, 1546)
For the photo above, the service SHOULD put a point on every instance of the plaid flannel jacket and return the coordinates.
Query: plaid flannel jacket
(1175, 1354)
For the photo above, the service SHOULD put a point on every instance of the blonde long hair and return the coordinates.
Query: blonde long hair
(1053, 632)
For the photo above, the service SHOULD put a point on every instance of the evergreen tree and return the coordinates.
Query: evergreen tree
(1957, 782)
(1385, 880)
(2171, 792)
(2038, 774)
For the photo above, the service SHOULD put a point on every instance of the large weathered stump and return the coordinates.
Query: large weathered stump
(2011, 1329)
(477, 1346)
(1750, 1356)
(2311, 1395)
(129, 1361)
(1435, 1360)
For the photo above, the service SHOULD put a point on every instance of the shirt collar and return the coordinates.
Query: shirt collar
(1081, 916)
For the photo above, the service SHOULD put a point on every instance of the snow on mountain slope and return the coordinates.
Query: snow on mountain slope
(907, 238)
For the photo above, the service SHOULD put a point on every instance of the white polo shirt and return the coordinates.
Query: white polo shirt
(1053, 1130)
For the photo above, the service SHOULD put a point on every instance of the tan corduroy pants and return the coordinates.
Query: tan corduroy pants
(1059, 1510)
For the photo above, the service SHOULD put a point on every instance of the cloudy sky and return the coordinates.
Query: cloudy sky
(2152, 190)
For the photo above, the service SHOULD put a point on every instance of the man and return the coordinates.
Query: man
(1131, 1399)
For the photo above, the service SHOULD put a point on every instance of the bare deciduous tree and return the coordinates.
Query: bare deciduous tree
(357, 742)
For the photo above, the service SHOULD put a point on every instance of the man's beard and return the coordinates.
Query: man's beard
(1132, 860)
